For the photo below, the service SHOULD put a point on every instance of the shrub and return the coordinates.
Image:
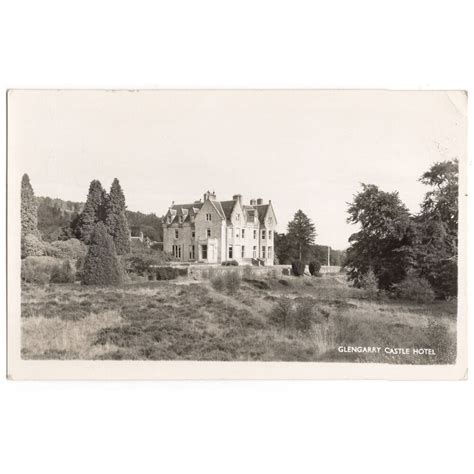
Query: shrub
(230, 263)
(232, 281)
(443, 343)
(63, 273)
(101, 266)
(282, 312)
(303, 316)
(297, 268)
(39, 269)
(290, 315)
(248, 272)
(166, 273)
(32, 246)
(369, 283)
(141, 260)
(217, 282)
(71, 249)
(414, 288)
(314, 267)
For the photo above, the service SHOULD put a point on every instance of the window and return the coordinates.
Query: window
(254, 234)
(237, 217)
(231, 253)
(176, 234)
(191, 252)
(176, 251)
(180, 219)
(208, 217)
(270, 220)
(237, 233)
(193, 234)
(263, 234)
(254, 252)
(263, 251)
(269, 252)
(269, 234)
(204, 252)
(169, 219)
(243, 233)
(208, 233)
(243, 251)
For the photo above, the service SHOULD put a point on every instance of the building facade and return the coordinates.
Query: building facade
(212, 231)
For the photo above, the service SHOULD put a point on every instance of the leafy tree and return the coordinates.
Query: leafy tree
(101, 266)
(32, 246)
(301, 232)
(285, 251)
(384, 241)
(149, 224)
(441, 203)
(435, 248)
(116, 220)
(93, 212)
(29, 208)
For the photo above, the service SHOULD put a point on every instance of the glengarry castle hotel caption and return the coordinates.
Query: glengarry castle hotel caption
(212, 231)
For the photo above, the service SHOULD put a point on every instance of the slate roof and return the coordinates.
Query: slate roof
(224, 208)
(185, 210)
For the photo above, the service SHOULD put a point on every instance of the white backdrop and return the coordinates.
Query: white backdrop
(235, 426)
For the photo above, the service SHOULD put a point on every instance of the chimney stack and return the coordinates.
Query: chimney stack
(253, 202)
(237, 197)
(210, 196)
(259, 201)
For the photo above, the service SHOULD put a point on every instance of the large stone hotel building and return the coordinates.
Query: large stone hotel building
(213, 231)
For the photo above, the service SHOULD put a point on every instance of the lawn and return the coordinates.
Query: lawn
(264, 319)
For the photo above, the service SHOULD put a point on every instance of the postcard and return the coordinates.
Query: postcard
(237, 234)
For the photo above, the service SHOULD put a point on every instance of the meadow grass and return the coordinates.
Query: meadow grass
(189, 320)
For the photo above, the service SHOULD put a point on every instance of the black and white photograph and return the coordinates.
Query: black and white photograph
(303, 227)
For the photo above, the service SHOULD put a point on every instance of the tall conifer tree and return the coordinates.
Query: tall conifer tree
(101, 266)
(301, 232)
(29, 209)
(93, 212)
(116, 220)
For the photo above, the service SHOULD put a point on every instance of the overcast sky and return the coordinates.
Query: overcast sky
(306, 150)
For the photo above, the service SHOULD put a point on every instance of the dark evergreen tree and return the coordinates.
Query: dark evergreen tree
(116, 220)
(101, 266)
(29, 209)
(93, 212)
(285, 250)
(301, 233)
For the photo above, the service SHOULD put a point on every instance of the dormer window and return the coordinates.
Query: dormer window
(237, 217)
(169, 219)
(208, 217)
(180, 219)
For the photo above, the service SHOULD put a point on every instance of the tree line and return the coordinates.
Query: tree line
(102, 226)
(393, 245)
(298, 244)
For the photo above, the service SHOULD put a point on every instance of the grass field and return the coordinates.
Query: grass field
(265, 319)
